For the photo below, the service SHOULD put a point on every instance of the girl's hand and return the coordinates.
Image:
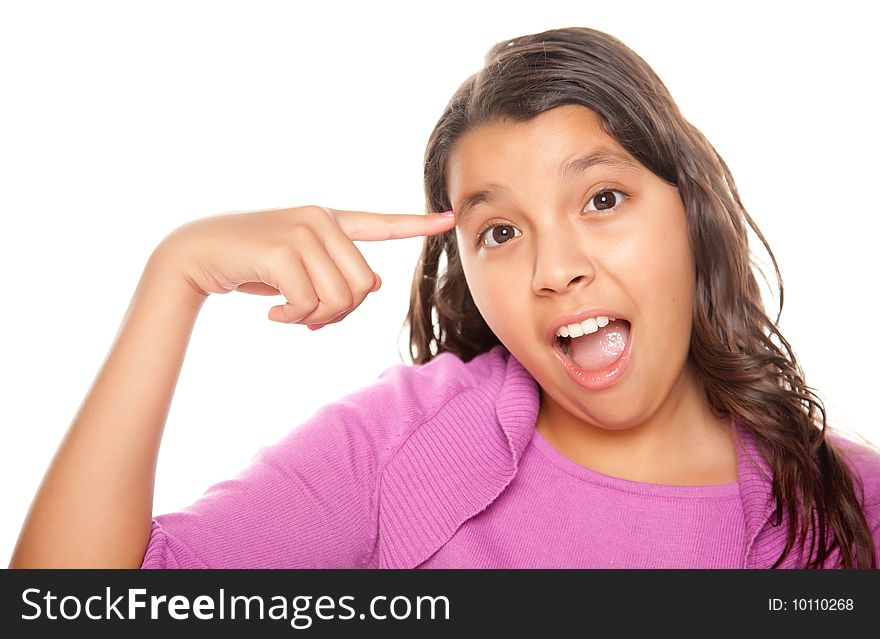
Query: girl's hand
(305, 253)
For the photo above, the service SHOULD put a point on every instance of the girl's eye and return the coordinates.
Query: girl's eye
(605, 200)
(497, 234)
(494, 235)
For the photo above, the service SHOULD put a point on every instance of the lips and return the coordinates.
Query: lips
(601, 379)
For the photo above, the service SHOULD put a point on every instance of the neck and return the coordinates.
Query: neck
(681, 443)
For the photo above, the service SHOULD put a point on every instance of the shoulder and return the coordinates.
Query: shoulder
(445, 436)
(863, 459)
(431, 384)
(406, 396)
(419, 390)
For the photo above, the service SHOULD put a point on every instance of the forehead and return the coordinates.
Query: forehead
(543, 142)
(556, 145)
(552, 130)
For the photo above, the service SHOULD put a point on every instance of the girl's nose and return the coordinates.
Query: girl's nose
(562, 262)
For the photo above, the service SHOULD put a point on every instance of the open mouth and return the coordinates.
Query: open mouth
(596, 351)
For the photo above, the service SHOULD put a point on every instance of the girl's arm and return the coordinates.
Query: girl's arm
(94, 505)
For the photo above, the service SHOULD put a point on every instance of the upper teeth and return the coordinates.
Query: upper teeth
(586, 327)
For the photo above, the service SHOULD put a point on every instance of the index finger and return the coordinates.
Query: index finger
(364, 225)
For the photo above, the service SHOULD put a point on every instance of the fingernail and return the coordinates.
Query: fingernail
(449, 213)
(315, 327)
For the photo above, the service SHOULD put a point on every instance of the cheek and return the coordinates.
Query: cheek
(494, 294)
(478, 283)
(669, 284)
(493, 291)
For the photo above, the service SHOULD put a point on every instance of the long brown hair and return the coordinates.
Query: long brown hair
(747, 367)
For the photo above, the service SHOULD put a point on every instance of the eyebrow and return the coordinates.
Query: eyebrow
(576, 166)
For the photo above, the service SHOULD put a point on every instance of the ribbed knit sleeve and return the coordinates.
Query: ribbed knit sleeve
(312, 500)
(304, 502)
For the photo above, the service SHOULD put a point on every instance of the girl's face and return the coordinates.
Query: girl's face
(608, 235)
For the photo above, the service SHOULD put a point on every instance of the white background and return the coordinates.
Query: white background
(121, 121)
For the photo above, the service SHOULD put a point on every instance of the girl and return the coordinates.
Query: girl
(596, 381)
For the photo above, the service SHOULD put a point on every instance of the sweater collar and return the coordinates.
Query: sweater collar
(517, 405)
(475, 454)
(765, 539)
(456, 460)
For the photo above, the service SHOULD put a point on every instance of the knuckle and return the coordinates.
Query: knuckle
(279, 254)
(311, 301)
(301, 234)
(340, 300)
(365, 284)
(304, 308)
(312, 209)
(319, 214)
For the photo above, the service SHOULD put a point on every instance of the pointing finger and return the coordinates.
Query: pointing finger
(363, 225)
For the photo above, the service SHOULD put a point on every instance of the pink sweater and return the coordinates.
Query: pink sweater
(440, 466)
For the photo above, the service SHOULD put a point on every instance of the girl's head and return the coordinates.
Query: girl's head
(646, 222)
(581, 224)
(578, 184)
(549, 80)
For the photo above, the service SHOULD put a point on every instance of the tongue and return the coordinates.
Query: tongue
(597, 351)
